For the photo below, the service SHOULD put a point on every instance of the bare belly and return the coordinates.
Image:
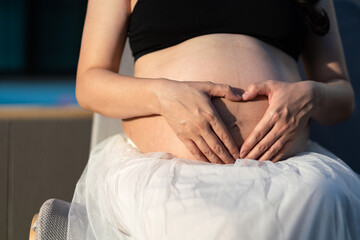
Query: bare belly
(232, 59)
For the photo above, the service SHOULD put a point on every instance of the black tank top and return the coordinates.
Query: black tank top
(158, 24)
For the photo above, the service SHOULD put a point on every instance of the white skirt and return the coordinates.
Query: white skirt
(126, 194)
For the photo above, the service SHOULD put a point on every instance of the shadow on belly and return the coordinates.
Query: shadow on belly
(153, 134)
(241, 117)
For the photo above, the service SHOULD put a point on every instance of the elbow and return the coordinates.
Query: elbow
(349, 108)
(340, 114)
(351, 105)
(80, 94)
(79, 98)
(346, 113)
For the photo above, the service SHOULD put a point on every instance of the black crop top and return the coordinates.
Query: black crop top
(158, 24)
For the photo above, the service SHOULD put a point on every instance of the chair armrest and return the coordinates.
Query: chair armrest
(51, 222)
(32, 227)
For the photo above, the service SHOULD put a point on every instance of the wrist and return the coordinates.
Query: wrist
(157, 88)
(316, 93)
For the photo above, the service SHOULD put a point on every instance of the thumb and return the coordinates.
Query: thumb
(255, 89)
(226, 91)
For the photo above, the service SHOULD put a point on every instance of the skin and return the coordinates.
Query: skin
(188, 99)
(329, 92)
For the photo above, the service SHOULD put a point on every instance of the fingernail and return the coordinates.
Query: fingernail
(245, 94)
(243, 154)
(235, 156)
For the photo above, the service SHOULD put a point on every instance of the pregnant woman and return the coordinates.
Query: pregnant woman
(216, 121)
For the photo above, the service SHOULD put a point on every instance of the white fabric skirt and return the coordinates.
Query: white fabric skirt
(126, 194)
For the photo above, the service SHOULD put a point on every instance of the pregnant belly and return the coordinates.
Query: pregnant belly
(240, 61)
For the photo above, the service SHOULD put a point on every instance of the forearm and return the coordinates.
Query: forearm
(115, 95)
(333, 101)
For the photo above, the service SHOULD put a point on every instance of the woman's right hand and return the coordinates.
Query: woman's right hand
(188, 109)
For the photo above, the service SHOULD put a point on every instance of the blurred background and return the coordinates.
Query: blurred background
(45, 136)
(39, 46)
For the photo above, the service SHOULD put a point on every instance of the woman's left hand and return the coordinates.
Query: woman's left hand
(290, 106)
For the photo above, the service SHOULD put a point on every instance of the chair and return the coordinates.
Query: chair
(51, 222)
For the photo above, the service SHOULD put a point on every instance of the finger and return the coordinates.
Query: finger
(225, 91)
(206, 151)
(254, 89)
(223, 134)
(261, 129)
(217, 147)
(280, 154)
(264, 145)
(195, 151)
(274, 149)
